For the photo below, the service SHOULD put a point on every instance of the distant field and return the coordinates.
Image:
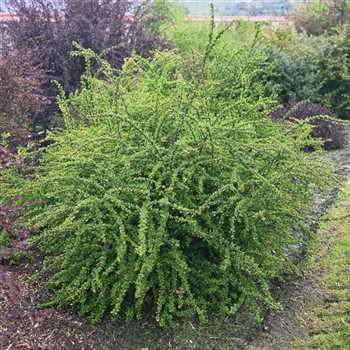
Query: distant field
(231, 7)
(240, 7)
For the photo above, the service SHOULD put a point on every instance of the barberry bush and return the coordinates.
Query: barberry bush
(117, 28)
(22, 98)
(170, 191)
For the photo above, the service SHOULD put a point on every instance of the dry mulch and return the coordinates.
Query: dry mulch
(24, 326)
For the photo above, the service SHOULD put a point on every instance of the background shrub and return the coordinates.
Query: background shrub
(333, 73)
(21, 94)
(6, 157)
(293, 76)
(170, 191)
(330, 131)
(50, 27)
(310, 68)
(317, 17)
(294, 72)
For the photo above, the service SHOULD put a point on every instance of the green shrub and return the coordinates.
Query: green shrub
(293, 76)
(170, 191)
(318, 17)
(295, 70)
(315, 69)
(333, 73)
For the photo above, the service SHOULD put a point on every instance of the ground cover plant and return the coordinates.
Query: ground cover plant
(170, 191)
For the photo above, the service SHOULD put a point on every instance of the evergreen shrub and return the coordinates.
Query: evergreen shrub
(293, 75)
(333, 72)
(295, 66)
(169, 192)
(315, 69)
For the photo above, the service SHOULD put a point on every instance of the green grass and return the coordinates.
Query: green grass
(329, 321)
(192, 37)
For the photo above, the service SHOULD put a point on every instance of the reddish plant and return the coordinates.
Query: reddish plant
(6, 156)
(21, 95)
(116, 28)
(328, 130)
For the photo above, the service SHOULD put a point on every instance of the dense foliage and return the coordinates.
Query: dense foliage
(170, 190)
(293, 75)
(333, 73)
(50, 27)
(325, 125)
(21, 94)
(311, 68)
(295, 56)
(317, 17)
